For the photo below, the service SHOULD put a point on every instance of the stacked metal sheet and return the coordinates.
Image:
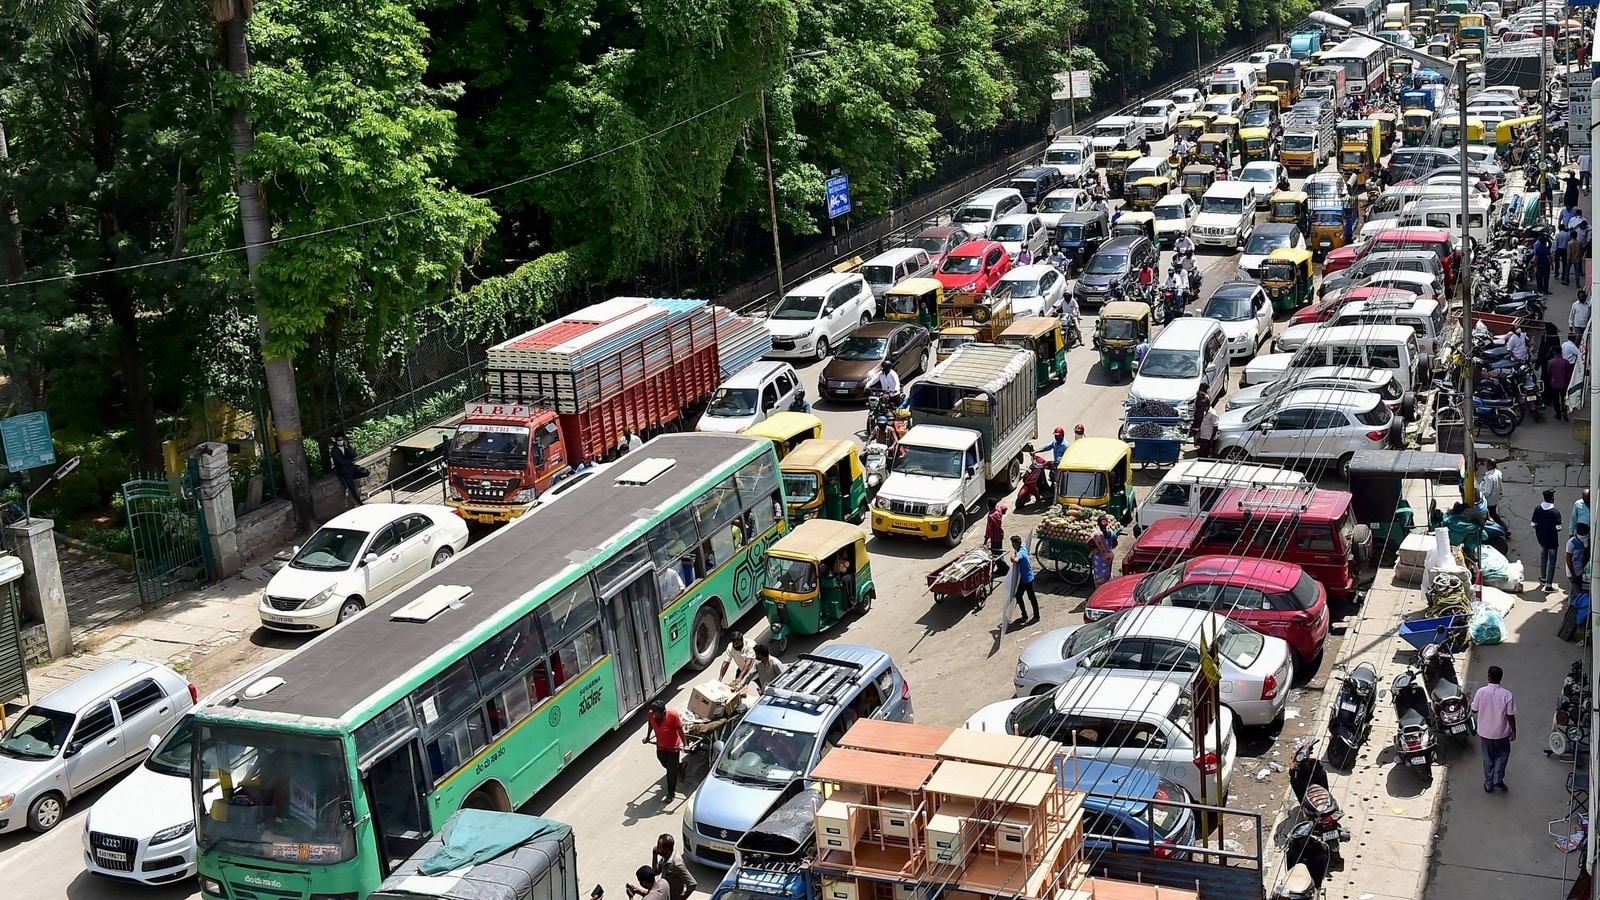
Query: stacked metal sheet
(740, 341)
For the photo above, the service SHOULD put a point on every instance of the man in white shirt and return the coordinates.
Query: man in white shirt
(887, 380)
(739, 657)
(1578, 319)
(1517, 345)
(1493, 489)
(1569, 351)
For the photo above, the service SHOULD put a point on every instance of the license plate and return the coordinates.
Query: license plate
(111, 855)
(720, 848)
(1419, 760)
(284, 620)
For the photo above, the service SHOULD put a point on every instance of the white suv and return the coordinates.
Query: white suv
(815, 316)
(1314, 425)
(1227, 215)
(1158, 117)
(1072, 156)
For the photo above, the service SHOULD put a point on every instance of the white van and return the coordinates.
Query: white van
(1234, 78)
(1391, 347)
(889, 268)
(1192, 487)
(1189, 355)
(750, 396)
(1446, 215)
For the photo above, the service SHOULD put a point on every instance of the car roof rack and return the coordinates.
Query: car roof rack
(813, 681)
(1277, 498)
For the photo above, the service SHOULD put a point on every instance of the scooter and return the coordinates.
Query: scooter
(1415, 742)
(1310, 782)
(875, 465)
(1034, 485)
(1444, 689)
(1352, 714)
(1308, 859)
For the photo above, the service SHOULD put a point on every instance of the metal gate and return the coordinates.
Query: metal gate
(13, 664)
(167, 528)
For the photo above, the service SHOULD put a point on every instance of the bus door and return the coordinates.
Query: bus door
(396, 784)
(633, 631)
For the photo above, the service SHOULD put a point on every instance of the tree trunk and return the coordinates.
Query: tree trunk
(282, 390)
(19, 351)
(123, 309)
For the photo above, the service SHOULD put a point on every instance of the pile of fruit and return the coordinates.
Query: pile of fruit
(1071, 523)
(1150, 409)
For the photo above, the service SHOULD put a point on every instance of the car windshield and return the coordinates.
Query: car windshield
(1258, 118)
(330, 550)
(287, 795)
(1107, 264)
(1305, 592)
(1058, 205)
(1065, 156)
(800, 487)
(1238, 644)
(858, 348)
(1110, 131)
(1159, 583)
(1229, 309)
(1171, 212)
(1033, 716)
(799, 306)
(1024, 287)
(1299, 142)
(935, 462)
(1316, 188)
(1088, 636)
(1264, 175)
(1082, 485)
(1165, 817)
(1071, 232)
(733, 403)
(1117, 329)
(950, 343)
(1170, 364)
(491, 446)
(1263, 243)
(961, 265)
(930, 244)
(1277, 271)
(1007, 231)
(1153, 111)
(39, 734)
(764, 754)
(878, 274)
(173, 754)
(973, 214)
(1223, 205)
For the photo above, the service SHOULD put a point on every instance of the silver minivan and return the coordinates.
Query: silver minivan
(891, 267)
(80, 735)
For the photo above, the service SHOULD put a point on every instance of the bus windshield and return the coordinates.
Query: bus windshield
(283, 795)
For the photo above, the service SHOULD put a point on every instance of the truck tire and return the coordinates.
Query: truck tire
(705, 636)
(958, 526)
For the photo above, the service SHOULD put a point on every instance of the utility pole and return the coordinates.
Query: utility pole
(772, 201)
(282, 391)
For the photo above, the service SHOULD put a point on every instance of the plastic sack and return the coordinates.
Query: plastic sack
(1486, 627)
(1498, 571)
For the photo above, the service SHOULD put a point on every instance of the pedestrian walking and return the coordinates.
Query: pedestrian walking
(664, 725)
(1496, 710)
(345, 465)
(1578, 318)
(994, 528)
(1100, 551)
(1557, 378)
(1580, 508)
(1541, 261)
(669, 867)
(1569, 197)
(766, 669)
(1574, 262)
(1546, 522)
(1584, 164)
(1493, 489)
(1578, 560)
(1024, 566)
(1563, 267)
(1206, 436)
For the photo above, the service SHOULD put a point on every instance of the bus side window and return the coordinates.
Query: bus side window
(676, 544)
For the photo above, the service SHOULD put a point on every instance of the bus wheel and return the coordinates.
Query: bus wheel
(486, 797)
(705, 638)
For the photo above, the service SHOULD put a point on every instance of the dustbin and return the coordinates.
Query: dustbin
(1451, 431)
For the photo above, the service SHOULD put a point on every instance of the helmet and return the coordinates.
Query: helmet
(1060, 432)
(800, 394)
(885, 366)
(1077, 431)
(883, 420)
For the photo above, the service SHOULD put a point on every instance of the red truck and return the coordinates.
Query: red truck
(571, 389)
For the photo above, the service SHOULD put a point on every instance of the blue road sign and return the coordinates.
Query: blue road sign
(27, 441)
(838, 196)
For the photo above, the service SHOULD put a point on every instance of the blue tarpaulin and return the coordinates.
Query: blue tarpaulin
(473, 836)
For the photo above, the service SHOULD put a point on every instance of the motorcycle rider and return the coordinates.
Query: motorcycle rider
(1182, 247)
(1069, 319)
(888, 381)
(1058, 258)
(799, 403)
(883, 434)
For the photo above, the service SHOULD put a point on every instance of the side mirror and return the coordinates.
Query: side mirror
(295, 551)
(347, 813)
(369, 559)
(717, 747)
(73, 749)
(156, 739)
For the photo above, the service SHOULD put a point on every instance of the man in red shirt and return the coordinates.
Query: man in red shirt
(667, 728)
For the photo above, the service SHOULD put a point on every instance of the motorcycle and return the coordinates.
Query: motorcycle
(1035, 484)
(1569, 728)
(1444, 689)
(1309, 859)
(1310, 782)
(880, 404)
(875, 465)
(1352, 714)
(1415, 741)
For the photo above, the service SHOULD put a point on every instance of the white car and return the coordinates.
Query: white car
(1060, 202)
(1021, 231)
(1258, 61)
(1186, 100)
(815, 316)
(1225, 104)
(1167, 640)
(1114, 133)
(1266, 176)
(1175, 214)
(1334, 378)
(1265, 239)
(1227, 215)
(1276, 51)
(360, 557)
(1036, 290)
(1245, 311)
(1310, 425)
(1139, 720)
(1158, 117)
(1073, 157)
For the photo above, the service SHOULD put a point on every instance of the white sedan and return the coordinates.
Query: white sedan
(358, 558)
(1245, 312)
(1266, 176)
(1187, 101)
(1036, 290)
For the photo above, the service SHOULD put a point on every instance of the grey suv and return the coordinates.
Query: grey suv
(1116, 263)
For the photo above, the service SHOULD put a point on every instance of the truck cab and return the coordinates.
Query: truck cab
(504, 455)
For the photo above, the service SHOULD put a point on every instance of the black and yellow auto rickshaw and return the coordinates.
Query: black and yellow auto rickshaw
(1197, 178)
(1258, 145)
(1079, 235)
(787, 430)
(1265, 98)
(914, 300)
(1399, 69)
(1228, 125)
(1042, 335)
(1189, 130)
(951, 338)
(1286, 275)
(1122, 325)
(1327, 229)
(1147, 192)
(822, 479)
(816, 574)
(1117, 171)
(1097, 472)
(1291, 207)
(1135, 224)
(1357, 164)
(1388, 123)
(1513, 133)
(1212, 147)
(1416, 126)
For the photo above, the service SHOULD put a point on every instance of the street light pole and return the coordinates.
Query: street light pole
(772, 199)
(1464, 272)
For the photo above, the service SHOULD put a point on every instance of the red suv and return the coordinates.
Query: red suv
(1274, 598)
(1329, 306)
(1435, 239)
(974, 267)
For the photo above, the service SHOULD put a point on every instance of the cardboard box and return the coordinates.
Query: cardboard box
(711, 700)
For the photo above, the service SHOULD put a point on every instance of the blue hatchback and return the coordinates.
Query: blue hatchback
(1125, 810)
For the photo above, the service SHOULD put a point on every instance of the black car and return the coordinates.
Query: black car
(1116, 264)
(1035, 183)
(1079, 235)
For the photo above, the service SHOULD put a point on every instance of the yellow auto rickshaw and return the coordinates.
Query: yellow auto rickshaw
(1440, 49)
(822, 479)
(1097, 472)
(1213, 146)
(1327, 229)
(1196, 178)
(1042, 335)
(1399, 69)
(1189, 129)
(1416, 126)
(1147, 192)
(1135, 223)
(1513, 132)
(1122, 325)
(1447, 131)
(1292, 207)
(1265, 98)
(952, 338)
(1258, 146)
(816, 574)
(787, 430)
(1117, 170)
(1228, 125)
(914, 300)
(1287, 275)
(1387, 123)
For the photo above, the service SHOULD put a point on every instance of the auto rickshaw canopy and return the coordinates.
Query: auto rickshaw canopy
(1506, 132)
(817, 539)
(1030, 329)
(819, 455)
(1146, 191)
(1197, 177)
(1094, 454)
(1135, 223)
(1288, 206)
(1297, 257)
(1124, 320)
(1265, 97)
(1190, 129)
(1121, 159)
(1211, 143)
(787, 429)
(908, 298)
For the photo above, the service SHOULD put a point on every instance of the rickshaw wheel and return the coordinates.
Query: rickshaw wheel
(864, 605)
(778, 644)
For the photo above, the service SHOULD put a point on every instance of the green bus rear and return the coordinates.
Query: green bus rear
(308, 795)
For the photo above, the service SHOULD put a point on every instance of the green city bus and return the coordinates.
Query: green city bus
(476, 684)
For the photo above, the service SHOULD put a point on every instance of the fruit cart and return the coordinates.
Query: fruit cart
(1157, 440)
(969, 576)
(1064, 540)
